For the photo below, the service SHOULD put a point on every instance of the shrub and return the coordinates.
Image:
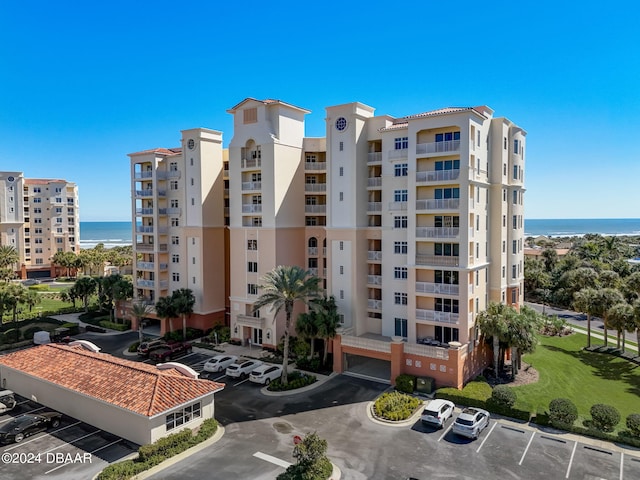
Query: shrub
(395, 406)
(92, 328)
(604, 417)
(633, 424)
(405, 383)
(311, 460)
(295, 380)
(116, 326)
(74, 328)
(39, 288)
(562, 412)
(503, 396)
(309, 364)
(133, 347)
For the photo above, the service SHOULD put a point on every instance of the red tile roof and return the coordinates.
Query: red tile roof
(135, 386)
(42, 181)
(159, 151)
(268, 101)
(404, 121)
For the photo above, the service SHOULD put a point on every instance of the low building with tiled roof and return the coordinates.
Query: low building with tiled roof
(134, 400)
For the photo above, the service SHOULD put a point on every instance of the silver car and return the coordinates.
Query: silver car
(471, 422)
(437, 412)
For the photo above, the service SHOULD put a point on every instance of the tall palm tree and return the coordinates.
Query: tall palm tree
(140, 311)
(493, 323)
(183, 301)
(84, 288)
(307, 329)
(585, 301)
(607, 298)
(9, 256)
(166, 309)
(620, 317)
(636, 320)
(11, 296)
(328, 321)
(281, 288)
(32, 299)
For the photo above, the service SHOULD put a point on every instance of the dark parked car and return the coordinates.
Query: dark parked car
(145, 348)
(26, 425)
(170, 351)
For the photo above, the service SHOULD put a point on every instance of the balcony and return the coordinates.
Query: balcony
(435, 316)
(141, 175)
(313, 271)
(315, 166)
(437, 232)
(374, 279)
(324, 251)
(251, 163)
(437, 260)
(315, 187)
(437, 176)
(144, 211)
(438, 204)
(366, 343)
(145, 193)
(441, 288)
(373, 304)
(312, 251)
(398, 154)
(438, 147)
(252, 208)
(375, 255)
(324, 272)
(141, 283)
(145, 265)
(374, 157)
(173, 174)
(151, 247)
(249, 186)
(374, 206)
(315, 209)
(397, 205)
(374, 182)
(174, 211)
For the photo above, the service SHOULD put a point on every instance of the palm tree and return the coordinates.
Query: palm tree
(607, 298)
(621, 317)
(282, 288)
(166, 309)
(32, 299)
(9, 256)
(307, 328)
(492, 323)
(183, 301)
(84, 288)
(11, 296)
(585, 301)
(140, 311)
(636, 321)
(520, 334)
(328, 321)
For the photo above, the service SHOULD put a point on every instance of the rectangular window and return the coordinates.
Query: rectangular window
(447, 193)
(400, 248)
(175, 276)
(400, 195)
(446, 221)
(400, 327)
(514, 296)
(250, 115)
(37, 200)
(505, 143)
(59, 240)
(400, 222)
(341, 245)
(401, 170)
(400, 298)
(39, 261)
(504, 272)
(341, 294)
(175, 240)
(173, 185)
(37, 190)
(515, 221)
(400, 273)
(341, 196)
(175, 258)
(37, 220)
(341, 269)
(401, 143)
(252, 267)
(185, 415)
(447, 165)
(341, 171)
(447, 277)
(58, 209)
(175, 222)
(252, 244)
(447, 249)
(341, 146)
(515, 147)
(515, 172)
(514, 246)
(446, 305)
(174, 203)
(252, 289)
(514, 271)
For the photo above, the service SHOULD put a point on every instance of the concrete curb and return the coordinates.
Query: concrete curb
(336, 474)
(388, 423)
(181, 456)
(322, 379)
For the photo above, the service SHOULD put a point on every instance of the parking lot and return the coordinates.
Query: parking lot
(73, 450)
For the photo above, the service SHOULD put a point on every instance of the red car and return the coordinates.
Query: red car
(170, 351)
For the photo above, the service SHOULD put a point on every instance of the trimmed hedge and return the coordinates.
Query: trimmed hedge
(502, 396)
(153, 454)
(633, 424)
(604, 417)
(74, 328)
(116, 326)
(395, 406)
(562, 412)
(295, 380)
(405, 383)
(93, 328)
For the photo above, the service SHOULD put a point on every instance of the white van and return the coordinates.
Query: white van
(7, 401)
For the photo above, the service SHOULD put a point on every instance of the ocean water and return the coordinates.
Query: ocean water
(578, 226)
(111, 234)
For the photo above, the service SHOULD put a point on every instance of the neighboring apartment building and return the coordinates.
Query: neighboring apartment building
(179, 228)
(413, 224)
(38, 217)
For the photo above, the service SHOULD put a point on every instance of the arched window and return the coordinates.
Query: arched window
(313, 242)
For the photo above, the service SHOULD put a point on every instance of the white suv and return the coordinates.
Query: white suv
(265, 374)
(437, 412)
(242, 369)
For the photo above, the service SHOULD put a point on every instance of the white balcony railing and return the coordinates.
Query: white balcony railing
(366, 343)
(324, 251)
(145, 283)
(312, 251)
(252, 208)
(437, 260)
(374, 182)
(438, 147)
(437, 175)
(374, 255)
(438, 204)
(315, 208)
(373, 304)
(315, 165)
(141, 175)
(145, 265)
(374, 157)
(173, 174)
(174, 211)
(144, 229)
(435, 316)
(437, 232)
(144, 211)
(399, 153)
(374, 206)
(441, 288)
(251, 163)
(374, 279)
(251, 185)
(315, 187)
(397, 205)
(313, 271)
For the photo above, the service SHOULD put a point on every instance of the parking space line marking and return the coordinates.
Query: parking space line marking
(526, 449)
(108, 445)
(219, 378)
(74, 441)
(36, 438)
(271, 459)
(240, 383)
(575, 445)
(485, 438)
(621, 464)
(22, 403)
(446, 431)
(27, 413)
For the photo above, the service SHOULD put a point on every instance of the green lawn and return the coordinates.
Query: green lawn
(584, 377)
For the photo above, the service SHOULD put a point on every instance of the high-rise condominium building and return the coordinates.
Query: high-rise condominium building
(38, 217)
(413, 225)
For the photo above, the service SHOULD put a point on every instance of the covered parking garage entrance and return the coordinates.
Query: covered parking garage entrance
(367, 367)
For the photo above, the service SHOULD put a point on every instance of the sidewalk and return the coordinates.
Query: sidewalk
(75, 318)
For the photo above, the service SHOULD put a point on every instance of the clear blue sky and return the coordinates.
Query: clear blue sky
(84, 83)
